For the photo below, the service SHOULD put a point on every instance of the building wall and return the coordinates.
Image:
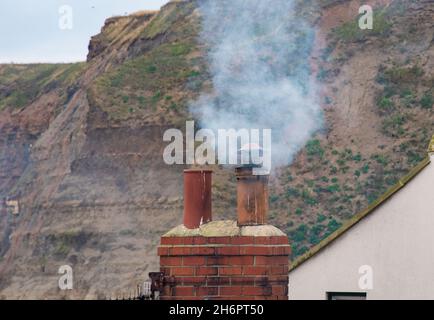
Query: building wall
(396, 240)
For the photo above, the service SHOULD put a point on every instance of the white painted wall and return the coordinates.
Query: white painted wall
(396, 240)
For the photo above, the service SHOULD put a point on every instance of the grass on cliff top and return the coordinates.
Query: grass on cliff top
(21, 84)
(166, 18)
(143, 84)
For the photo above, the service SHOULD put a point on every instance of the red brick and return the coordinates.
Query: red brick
(271, 260)
(199, 240)
(203, 251)
(261, 281)
(189, 240)
(218, 281)
(256, 271)
(191, 280)
(279, 240)
(282, 250)
(279, 290)
(177, 241)
(194, 261)
(256, 291)
(256, 250)
(235, 260)
(165, 241)
(183, 298)
(207, 291)
(214, 260)
(279, 278)
(228, 250)
(263, 240)
(279, 270)
(231, 291)
(243, 240)
(206, 271)
(243, 280)
(180, 251)
(219, 240)
(217, 298)
(230, 271)
(182, 271)
(183, 291)
(163, 251)
(171, 261)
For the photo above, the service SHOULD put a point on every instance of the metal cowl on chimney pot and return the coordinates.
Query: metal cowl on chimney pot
(252, 197)
(197, 198)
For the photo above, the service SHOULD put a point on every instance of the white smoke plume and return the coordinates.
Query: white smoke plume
(259, 61)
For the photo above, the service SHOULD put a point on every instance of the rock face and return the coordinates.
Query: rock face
(81, 145)
(110, 32)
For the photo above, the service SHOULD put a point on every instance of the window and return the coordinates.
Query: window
(346, 295)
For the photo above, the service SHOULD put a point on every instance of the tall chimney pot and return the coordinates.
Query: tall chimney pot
(197, 198)
(252, 197)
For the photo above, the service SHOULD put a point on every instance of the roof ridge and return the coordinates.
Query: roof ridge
(431, 145)
(359, 216)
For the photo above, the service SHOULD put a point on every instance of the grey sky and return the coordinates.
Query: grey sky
(30, 32)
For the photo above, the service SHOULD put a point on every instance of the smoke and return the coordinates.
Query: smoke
(259, 61)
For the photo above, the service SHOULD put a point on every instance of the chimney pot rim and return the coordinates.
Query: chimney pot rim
(198, 171)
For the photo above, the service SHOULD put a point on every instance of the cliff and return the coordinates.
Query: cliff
(81, 144)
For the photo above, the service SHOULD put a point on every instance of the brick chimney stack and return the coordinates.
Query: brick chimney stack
(232, 260)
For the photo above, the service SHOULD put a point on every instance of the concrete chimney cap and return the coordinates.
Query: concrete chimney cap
(225, 228)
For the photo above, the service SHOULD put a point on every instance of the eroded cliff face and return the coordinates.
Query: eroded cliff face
(81, 145)
(94, 192)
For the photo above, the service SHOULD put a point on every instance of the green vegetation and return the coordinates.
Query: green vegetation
(385, 104)
(321, 218)
(164, 21)
(427, 101)
(393, 125)
(400, 76)
(63, 243)
(350, 31)
(26, 83)
(308, 197)
(147, 81)
(314, 149)
(333, 225)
